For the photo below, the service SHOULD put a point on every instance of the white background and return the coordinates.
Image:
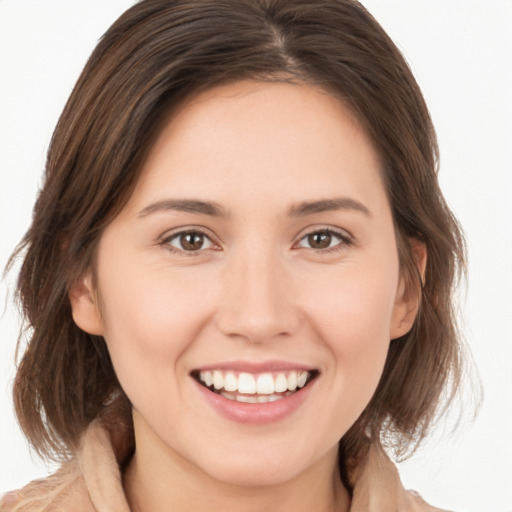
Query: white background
(461, 53)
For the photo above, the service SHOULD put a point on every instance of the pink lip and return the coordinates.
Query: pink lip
(255, 414)
(256, 367)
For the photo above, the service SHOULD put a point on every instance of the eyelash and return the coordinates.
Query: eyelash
(345, 241)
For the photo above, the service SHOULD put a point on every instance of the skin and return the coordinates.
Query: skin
(258, 289)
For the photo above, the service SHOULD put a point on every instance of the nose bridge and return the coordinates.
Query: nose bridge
(256, 301)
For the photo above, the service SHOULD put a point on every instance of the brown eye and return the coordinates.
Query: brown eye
(192, 241)
(189, 241)
(324, 239)
(319, 240)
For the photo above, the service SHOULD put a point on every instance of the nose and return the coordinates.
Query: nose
(257, 299)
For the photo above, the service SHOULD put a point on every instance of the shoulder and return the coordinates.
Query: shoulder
(90, 481)
(8, 501)
(421, 505)
(62, 491)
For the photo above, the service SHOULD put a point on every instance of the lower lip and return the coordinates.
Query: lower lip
(255, 414)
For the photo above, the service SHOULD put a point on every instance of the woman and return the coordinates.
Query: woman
(240, 268)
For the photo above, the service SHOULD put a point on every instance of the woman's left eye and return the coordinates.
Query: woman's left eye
(188, 241)
(324, 239)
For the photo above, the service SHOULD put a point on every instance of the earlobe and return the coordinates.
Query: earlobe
(84, 306)
(408, 296)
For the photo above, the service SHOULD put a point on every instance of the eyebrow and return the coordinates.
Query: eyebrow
(327, 205)
(216, 210)
(185, 205)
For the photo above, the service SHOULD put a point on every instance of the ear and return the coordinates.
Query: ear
(408, 295)
(84, 306)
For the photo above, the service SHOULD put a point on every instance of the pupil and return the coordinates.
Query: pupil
(192, 241)
(320, 240)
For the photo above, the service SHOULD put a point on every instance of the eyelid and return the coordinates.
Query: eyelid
(347, 239)
(166, 238)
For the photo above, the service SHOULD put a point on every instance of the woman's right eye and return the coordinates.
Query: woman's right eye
(188, 241)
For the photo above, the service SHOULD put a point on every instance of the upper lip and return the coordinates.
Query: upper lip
(256, 367)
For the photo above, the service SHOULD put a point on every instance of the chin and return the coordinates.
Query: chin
(256, 475)
(246, 471)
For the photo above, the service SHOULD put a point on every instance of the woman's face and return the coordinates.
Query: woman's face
(257, 252)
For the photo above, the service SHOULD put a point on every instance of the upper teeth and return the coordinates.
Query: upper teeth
(247, 383)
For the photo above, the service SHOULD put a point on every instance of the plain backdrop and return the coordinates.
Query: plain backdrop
(461, 54)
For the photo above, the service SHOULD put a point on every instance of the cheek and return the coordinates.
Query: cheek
(150, 319)
(352, 306)
(352, 315)
(149, 300)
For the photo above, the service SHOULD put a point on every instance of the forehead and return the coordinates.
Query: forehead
(272, 140)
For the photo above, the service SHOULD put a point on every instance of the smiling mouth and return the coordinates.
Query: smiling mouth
(254, 388)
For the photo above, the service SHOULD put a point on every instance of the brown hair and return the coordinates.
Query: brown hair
(154, 56)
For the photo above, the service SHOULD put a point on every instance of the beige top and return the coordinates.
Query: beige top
(92, 482)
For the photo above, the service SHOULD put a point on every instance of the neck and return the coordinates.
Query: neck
(159, 480)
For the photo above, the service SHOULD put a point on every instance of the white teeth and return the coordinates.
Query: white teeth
(230, 382)
(255, 399)
(292, 381)
(247, 399)
(218, 380)
(301, 381)
(281, 383)
(246, 384)
(207, 378)
(265, 384)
